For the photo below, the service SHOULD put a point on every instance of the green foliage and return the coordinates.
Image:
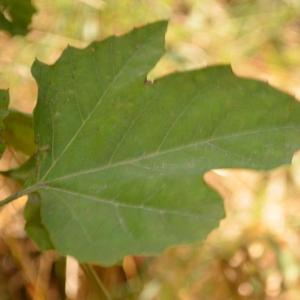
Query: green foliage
(116, 162)
(19, 132)
(34, 226)
(136, 158)
(120, 160)
(15, 16)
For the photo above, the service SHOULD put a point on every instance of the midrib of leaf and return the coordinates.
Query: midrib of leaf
(171, 150)
(98, 103)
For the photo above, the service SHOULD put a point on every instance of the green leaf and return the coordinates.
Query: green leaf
(15, 16)
(18, 132)
(4, 99)
(34, 226)
(120, 162)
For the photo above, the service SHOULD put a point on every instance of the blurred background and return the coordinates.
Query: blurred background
(255, 253)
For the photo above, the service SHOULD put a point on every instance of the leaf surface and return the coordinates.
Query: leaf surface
(120, 162)
(34, 226)
(18, 132)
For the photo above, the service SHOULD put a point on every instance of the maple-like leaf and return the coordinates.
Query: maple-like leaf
(119, 162)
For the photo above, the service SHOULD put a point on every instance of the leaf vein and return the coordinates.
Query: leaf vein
(119, 204)
(168, 151)
(98, 103)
